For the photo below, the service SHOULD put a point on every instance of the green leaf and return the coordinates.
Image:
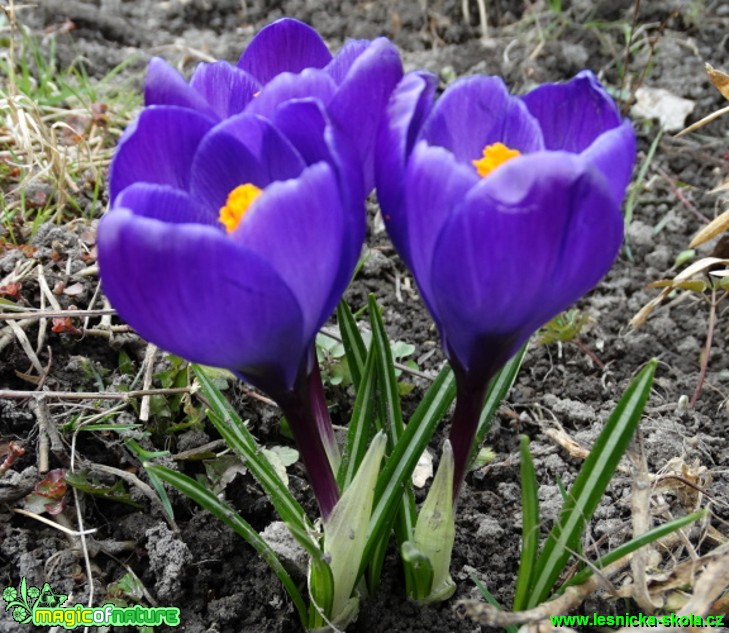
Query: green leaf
(390, 412)
(128, 586)
(125, 364)
(419, 570)
(529, 527)
(361, 426)
(115, 492)
(110, 427)
(590, 485)
(435, 531)
(321, 592)
(490, 598)
(401, 349)
(498, 388)
(404, 457)
(637, 184)
(143, 456)
(391, 417)
(345, 530)
(231, 518)
(354, 346)
(238, 437)
(276, 459)
(631, 546)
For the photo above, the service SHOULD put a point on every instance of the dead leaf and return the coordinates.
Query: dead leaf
(720, 80)
(711, 230)
(423, 470)
(566, 442)
(697, 267)
(658, 103)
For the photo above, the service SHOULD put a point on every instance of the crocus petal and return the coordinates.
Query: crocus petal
(226, 88)
(343, 60)
(221, 164)
(573, 114)
(194, 292)
(298, 227)
(276, 154)
(360, 102)
(164, 203)
(407, 108)
(158, 148)
(436, 186)
(306, 124)
(286, 45)
(530, 240)
(613, 153)
(163, 85)
(286, 86)
(479, 111)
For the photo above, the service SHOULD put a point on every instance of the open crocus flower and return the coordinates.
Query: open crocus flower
(231, 243)
(506, 209)
(289, 60)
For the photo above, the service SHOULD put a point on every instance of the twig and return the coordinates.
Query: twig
(252, 393)
(573, 596)
(12, 394)
(585, 349)
(43, 314)
(135, 481)
(147, 382)
(487, 615)
(80, 521)
(53, 524)
(707, 349)
(640, 509)
(676, 191)
(47, 432)
(25, 344)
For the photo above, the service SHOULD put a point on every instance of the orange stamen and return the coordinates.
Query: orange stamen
(494, 156)
(237, 205)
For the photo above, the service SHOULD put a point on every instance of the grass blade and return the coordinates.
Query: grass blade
(238, 437)
(631, 546)
(404, 457)
(390, 411)
(498, 388)
(355, 349)
(590, 485)
(529, 527)
(223, 512)
(491, 599)
(361, 427)
(391, 418)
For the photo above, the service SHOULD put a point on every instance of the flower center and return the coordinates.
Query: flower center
(236, 206)
(494, 156)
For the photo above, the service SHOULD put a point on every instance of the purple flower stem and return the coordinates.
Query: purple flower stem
(299, 410)
(471, 388)
(322, 417)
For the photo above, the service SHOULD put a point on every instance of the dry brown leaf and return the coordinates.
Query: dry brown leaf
(566, 442)
(697, 267)
(720, 80)
(718, 225)
(694, 285)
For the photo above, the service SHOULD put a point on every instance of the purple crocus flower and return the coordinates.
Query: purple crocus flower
(506, 209)
(229, 242)
(288, 60)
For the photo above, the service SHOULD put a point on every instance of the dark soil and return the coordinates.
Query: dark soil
(208, 572)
